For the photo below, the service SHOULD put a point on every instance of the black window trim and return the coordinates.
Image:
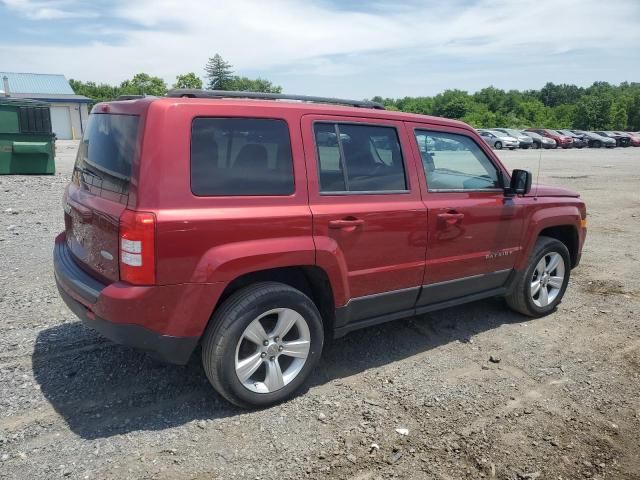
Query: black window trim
(499, 170)
(293, 163)
(336, 124)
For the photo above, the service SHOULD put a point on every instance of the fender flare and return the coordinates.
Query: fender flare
(559, 216)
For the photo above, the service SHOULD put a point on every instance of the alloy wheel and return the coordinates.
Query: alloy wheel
(272, 350)
(547, 279)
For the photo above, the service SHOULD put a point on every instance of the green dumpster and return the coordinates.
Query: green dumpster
(27, 145)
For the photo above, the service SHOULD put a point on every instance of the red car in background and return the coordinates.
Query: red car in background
(634, 139)
(563, 141)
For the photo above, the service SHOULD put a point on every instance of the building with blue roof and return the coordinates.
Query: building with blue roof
(69, 112)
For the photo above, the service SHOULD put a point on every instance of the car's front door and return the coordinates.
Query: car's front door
(369, 221)
(475, 230)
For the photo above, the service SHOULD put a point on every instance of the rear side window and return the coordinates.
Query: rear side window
(106, 153)
(240, 156)
(359, 158)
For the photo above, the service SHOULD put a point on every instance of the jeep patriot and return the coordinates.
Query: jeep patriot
(257, 225)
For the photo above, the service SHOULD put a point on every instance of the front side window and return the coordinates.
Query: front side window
(455, 162)
(359, 158)
(240, 156)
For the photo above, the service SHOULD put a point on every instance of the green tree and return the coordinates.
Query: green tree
(96, 92)
(143, 84)
(618, 116)
(592, 112)
(188, 80)
(244, 84)
(219, 73)
(452, 104)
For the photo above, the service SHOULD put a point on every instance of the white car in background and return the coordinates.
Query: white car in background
(498, 140)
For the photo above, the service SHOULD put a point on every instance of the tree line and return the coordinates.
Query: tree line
(601, 106)
(218, 73)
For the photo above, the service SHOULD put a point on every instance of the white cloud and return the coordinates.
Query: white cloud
(48, 10)
(384, 48)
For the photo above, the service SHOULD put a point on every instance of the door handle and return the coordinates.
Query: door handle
(350, 223)
(451, 218)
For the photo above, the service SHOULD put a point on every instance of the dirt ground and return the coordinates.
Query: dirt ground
(563, 402)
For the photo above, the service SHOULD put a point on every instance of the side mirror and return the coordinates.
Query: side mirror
(520, 182)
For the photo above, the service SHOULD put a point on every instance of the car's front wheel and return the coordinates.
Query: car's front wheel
(539, 288)
(498, 145)
(261, 344)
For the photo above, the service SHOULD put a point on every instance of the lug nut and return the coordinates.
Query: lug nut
(265, 343)
(263, 354)
(277, 339)
(280, 348)
(273, 358)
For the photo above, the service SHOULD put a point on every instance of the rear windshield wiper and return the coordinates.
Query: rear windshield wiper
(85, 171)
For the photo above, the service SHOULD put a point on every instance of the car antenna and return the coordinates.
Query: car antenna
(535, 195)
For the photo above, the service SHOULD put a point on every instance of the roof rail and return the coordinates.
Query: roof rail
(197, 93)
(129, 97)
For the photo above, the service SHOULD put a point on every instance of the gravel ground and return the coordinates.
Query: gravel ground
(559, 400)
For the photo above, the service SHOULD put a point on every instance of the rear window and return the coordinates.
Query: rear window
(108, 148)
(240, 156)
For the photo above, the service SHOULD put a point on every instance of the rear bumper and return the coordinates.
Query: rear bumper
(166, 320)
(169, 349)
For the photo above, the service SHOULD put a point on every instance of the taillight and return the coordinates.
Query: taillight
(138, 247)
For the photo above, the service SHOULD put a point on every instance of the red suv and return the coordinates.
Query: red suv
(563, 141)
(257, 226)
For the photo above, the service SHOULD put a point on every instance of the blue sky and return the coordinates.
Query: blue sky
(330, 47)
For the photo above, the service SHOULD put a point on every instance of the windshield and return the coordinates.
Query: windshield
(533, 135)
(500, 134)
(105, 155)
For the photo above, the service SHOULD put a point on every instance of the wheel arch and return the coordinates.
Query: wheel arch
(311, 280)
(568, 235)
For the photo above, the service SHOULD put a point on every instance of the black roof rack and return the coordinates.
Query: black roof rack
(196, 93)
(130, 97)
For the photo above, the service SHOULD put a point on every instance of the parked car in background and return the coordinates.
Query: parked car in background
(525, 141)
(625, 138)
(578, 141)
(621, 140)
(563, 141)
(499, 140)
(634, 139)
(594, 140)
(539, 141)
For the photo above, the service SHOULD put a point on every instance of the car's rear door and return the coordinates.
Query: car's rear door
(369, 221)
(475, 231)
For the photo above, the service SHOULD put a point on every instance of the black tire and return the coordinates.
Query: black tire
(535, 145)
(227, 326)
(498, 145)
(520, 299)
(597, 144)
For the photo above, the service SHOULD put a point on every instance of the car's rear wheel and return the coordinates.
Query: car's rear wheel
(535, 145)
(498, 145)
(261, 344)
(597, 144)
(539, 288)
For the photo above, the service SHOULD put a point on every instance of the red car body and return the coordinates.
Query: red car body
(634, 139)
(454, 245)
(562, 141)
